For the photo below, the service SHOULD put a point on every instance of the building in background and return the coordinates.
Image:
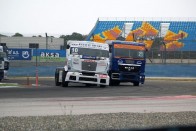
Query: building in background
(27, 42)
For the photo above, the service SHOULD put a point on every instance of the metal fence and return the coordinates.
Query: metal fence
(155, 56)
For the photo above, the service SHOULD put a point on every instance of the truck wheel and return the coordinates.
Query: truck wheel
(111, 82)
(57, 83)
(117, 83)
(136, 83)
(64, 83)
(114, 82)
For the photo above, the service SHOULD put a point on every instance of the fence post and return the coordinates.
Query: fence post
(181, 56)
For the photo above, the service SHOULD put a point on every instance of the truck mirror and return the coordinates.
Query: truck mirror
(110, 48)
(68, 46)
(6, 65)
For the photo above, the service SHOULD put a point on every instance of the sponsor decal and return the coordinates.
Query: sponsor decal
(139, 62)
(129, 68)
(89, 61)
(19, 54)
(102, 63)
(25, 54)
(88, 57)
(50, 54)
(125, 46)
(75, 61)
(120, 61)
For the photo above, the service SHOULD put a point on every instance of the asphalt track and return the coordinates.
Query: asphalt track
(156, 95)
(47, 89)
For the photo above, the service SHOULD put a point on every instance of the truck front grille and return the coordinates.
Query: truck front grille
(88, 73)
(89, 66)
(87, 79)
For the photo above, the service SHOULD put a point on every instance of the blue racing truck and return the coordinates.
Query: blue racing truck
(127, 62)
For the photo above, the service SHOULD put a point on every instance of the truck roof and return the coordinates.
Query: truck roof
(88, 44)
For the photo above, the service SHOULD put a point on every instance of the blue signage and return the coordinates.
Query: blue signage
(49, 53)
(45, 55)
(19, 54)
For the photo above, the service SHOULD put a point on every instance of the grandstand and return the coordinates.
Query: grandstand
(159, 34)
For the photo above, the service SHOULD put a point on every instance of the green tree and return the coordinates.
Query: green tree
(3, 35)
(17, 35)
(73, 36)
(84, 37)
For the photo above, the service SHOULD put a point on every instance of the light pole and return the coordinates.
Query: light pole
(164, 51)
(36, 69)
(36, 46)
(163, 43)
(46, 41)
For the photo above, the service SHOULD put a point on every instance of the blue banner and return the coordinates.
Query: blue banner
(49, 53)
(19, 54)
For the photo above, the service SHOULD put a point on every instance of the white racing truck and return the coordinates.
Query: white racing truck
(4, 62)
(86, 62)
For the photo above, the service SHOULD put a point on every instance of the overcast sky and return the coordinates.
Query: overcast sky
(67, 16)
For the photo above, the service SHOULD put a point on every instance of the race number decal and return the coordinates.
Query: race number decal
(74, 50)
(141, 54)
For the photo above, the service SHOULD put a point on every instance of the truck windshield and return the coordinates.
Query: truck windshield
(89, 52)
(129, 53)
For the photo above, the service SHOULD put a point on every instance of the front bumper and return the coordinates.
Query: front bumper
(99, 79)
(128, 77)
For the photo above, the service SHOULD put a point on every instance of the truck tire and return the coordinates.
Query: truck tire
(114, 82)
(64, 83)
(57, 83)
(111, 83)
(136, 83)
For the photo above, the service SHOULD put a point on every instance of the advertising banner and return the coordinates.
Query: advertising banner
(19, 54)
(49, 55)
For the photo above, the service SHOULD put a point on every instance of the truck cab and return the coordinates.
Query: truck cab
(86, 62)
(4, 62)
(127, 62)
